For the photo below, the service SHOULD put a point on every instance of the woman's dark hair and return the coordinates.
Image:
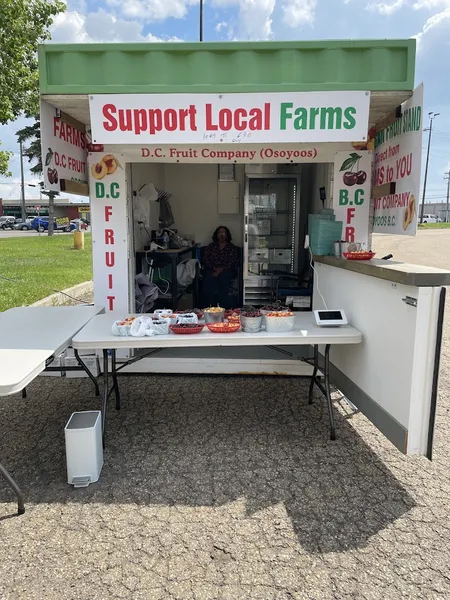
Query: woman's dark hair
(215, 236)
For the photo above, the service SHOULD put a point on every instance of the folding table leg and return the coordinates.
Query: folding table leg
(314, 375)
(13, 485)
(328, 392)
(114, 378)
(88, 372)
(105, 391)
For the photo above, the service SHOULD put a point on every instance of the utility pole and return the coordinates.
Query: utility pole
(201, 20)
(22, 186)
(432, 116)
(447, 177)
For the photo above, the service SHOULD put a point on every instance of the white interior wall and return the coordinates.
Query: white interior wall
(142, 173)
(321, 177)
(194, 199)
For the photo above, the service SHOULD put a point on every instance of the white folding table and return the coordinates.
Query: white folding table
(96, 335)
(30, 338)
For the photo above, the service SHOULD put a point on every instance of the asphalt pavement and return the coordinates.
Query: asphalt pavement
(226, 488)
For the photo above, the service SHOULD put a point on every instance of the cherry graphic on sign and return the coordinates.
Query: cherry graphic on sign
(352, 174)
(52, 173)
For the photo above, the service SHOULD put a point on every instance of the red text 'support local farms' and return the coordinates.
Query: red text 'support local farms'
(63, 149)
(229, 118)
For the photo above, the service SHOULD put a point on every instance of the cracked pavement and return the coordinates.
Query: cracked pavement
(222, 488)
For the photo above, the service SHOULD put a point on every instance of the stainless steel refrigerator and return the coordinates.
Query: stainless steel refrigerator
(271, 233)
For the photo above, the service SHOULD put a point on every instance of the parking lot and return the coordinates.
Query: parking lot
(226, 488)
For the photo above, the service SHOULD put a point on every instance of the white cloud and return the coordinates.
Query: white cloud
(221, 26)
(153, 10)
(100, 26)
(386, 8)
(435, 33)
(418, 4)
(254, 19)
(298, 12)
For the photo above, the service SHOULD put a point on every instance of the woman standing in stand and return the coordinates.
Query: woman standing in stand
(219, 262)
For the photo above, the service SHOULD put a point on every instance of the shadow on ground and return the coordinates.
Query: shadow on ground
(209, 441)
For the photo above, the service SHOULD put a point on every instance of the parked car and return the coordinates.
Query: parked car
(41, 224)
(82, 223)
(24, 225)
(431, 219)
(7, 222)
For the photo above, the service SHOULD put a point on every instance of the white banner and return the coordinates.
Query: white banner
(296, 117)
(110, 236)
(398, 157)
(63, 148)
(230, 153)
(351, 194)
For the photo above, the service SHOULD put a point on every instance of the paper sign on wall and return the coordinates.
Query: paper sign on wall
(297, 117)
(63, 148)
(351, 194)
(109, 226)
(398, 156)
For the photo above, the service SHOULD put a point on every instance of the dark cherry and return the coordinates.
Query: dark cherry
(50, 175)
(361, 177)
(350, 178)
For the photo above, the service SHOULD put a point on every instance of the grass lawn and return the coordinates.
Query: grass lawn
(434, 226)
(42, 264)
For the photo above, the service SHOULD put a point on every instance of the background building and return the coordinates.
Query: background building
(63, 208)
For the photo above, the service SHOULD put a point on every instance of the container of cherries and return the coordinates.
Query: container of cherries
(251, 320)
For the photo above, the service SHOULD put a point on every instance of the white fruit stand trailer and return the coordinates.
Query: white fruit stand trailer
(223, 127)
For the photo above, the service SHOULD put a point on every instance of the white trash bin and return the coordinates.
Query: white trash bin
(84, 448)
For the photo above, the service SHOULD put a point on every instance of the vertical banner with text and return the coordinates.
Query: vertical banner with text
(398, 156)
(63, 147)
(109, 231)
(351, 194)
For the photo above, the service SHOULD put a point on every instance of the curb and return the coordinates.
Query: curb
(81, 291)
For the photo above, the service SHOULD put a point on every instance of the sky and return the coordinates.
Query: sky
(177, 20)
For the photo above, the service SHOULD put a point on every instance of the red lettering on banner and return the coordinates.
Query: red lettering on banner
(110, 281)
(209, 124)
(267, 116)
(350, 215)
(239, 123)
(170, 120)
(156, 120)
(109, 236)
(125, 120)
(108, 213)
(108, 111)
(110, 302)
(192, 117)
(110, 259)
(140, 120)
(350, 234)
(225, 119)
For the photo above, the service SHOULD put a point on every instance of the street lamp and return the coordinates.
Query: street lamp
(432, 116)
(38, 186)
